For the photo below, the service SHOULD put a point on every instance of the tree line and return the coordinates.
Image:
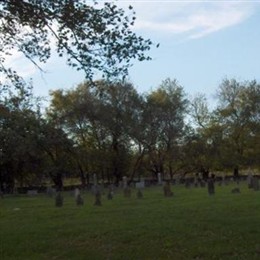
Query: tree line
(108, 128)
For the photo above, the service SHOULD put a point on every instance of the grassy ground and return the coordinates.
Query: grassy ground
(190, 225)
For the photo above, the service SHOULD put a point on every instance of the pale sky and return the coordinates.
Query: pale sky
(201, 43)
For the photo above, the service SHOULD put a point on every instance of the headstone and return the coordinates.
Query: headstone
(178, 180)
(50, 191)
(159, 177)
(95, 189)
(250, 181)
(76, 193)
(196, 181)
(120, 184)
(110, 193)
(59, 200)
(187, 183)
(167, 189)
(32, 192)
(102, 186)
(211, 186)
(139, 194)
(256, 184)
(98, 199)
(95, 179)
(202, 184)
(235, 191)
(127, 189)
(140, 185)
(127, 192)
(79, 200)
(225, 179)
(15, 192)
(124, 182)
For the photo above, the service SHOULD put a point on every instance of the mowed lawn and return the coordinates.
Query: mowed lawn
(190, 225)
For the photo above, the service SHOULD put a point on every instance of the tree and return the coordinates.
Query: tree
(31, 148)
(238, 113)
(57, 151)
(202, 142)
(164, 115)
(119, 102)
(93, 37)
(100, 119)
(19, 128)
(199, 111)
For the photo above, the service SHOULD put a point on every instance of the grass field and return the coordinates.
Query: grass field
(190, 225)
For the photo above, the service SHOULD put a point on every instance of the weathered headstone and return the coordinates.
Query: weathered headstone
(59, 200)
(110, 193)
(256, 184)
(202, 184)
(225, 180)
(167, 189)
(98, 199)
(211, 186)
(79, 200)
(250, 181)
(178, 180)
(125, 182)
(127, 189)
(95, 179)
(102, 186)
(50, 191)
(187, 183)
(140, 185)
(196, 181)
(94, 189)
(120, 184)
(159, 177)
(235, 191)
(32, 192)
(139, 194)
(15, 192)
(127, 192)
(76, 193)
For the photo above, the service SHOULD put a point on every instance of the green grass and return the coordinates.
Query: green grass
(190, 225)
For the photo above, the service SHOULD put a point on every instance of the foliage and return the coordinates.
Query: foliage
(31, 148)
(164, 115)
(238, 114)
(99, 118)
(92, 36)
(229, 135)
(110, 130)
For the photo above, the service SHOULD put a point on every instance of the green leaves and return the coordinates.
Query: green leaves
(94, 37)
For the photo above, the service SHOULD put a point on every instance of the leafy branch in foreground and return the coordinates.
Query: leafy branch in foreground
(93, 37)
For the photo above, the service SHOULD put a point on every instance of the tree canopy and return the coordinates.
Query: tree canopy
(108, 128)
(92, 36)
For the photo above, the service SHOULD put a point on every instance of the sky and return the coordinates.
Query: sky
(201, 43)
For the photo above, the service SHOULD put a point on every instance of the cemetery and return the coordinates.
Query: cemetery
(167, 220)
(112, 165)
